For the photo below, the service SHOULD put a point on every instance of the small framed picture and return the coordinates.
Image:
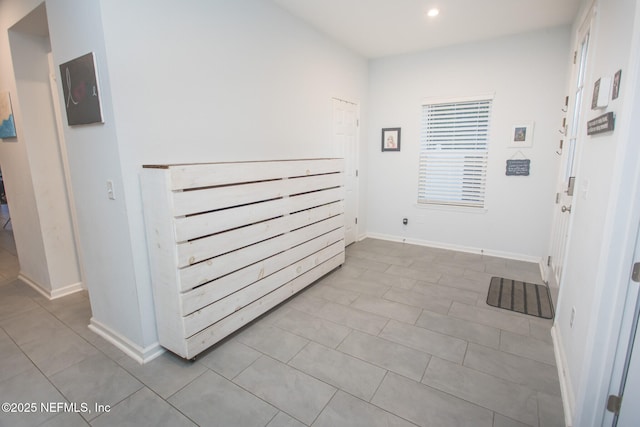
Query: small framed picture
(391, 139)
(522, 135)
(596, 93)
(616, 85)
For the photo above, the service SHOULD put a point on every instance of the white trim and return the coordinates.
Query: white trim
(455, 99)
(453, 247)
(451, 208)
(566, 390)
(66, 290)
(64, 156)
(586, 20)
(131, 349)
(35, 285)
(51, 294)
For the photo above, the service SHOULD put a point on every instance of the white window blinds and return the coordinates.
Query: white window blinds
(454, 147)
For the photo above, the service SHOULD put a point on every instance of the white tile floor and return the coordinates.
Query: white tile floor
(399, 336)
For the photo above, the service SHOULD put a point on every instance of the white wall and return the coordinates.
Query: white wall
(597, 265)
(218, 81)
(527, 74)
(75, 29)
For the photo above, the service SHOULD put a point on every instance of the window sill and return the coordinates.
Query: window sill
(451, 208)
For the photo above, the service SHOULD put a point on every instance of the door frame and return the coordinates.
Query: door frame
(584, 31)
(627, 342)
(610, 325)
(64, 155)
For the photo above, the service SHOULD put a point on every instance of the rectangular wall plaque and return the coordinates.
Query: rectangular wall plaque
(518, 167)
(601, 124)
(81, 93)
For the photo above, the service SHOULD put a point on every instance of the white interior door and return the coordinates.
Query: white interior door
(345, 134)
(572, 134)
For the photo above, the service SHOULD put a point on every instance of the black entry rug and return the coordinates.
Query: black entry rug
(527, 298)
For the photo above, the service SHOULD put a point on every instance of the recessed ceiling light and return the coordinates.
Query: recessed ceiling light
(433, 12)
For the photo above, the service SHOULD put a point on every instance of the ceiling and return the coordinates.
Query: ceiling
(377, 28)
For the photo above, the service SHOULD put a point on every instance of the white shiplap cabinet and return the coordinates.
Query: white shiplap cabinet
(229, 241)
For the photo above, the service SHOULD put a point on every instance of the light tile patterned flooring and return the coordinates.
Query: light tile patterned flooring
(399, 336)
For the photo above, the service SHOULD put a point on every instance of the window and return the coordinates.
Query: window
(454, 147)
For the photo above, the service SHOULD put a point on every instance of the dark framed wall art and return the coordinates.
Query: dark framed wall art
(615, 92)
(81, 91)
(391, 139)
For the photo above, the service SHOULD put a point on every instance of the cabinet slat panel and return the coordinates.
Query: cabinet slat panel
(215, 198)
(208, 247)
(224, 286)
(162, 261)
(213, 174)
(195, 226)
(201, 273)
(214, 333)
(202, 318)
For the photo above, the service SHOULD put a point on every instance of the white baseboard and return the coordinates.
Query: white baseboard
(50, 294)
(568, 398)
(133, 350)
(459, 248)
(66, 290)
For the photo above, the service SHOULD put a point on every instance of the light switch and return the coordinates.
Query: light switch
(110, 194)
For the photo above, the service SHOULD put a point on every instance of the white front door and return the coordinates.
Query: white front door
(572, 134)
(627, 383)
(345, 135)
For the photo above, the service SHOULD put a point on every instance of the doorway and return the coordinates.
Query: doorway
(43, 216)
(345, 135)
(572, 134)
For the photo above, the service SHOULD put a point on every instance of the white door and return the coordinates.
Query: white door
(345, 135)
(630, 411)
(572, 134)
(628, 355)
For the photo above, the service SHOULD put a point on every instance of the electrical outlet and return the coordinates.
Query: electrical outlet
(573, 317)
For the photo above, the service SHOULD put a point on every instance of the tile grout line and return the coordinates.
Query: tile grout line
(290, 367)
(48, 377)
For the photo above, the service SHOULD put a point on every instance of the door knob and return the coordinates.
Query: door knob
(565, 209)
